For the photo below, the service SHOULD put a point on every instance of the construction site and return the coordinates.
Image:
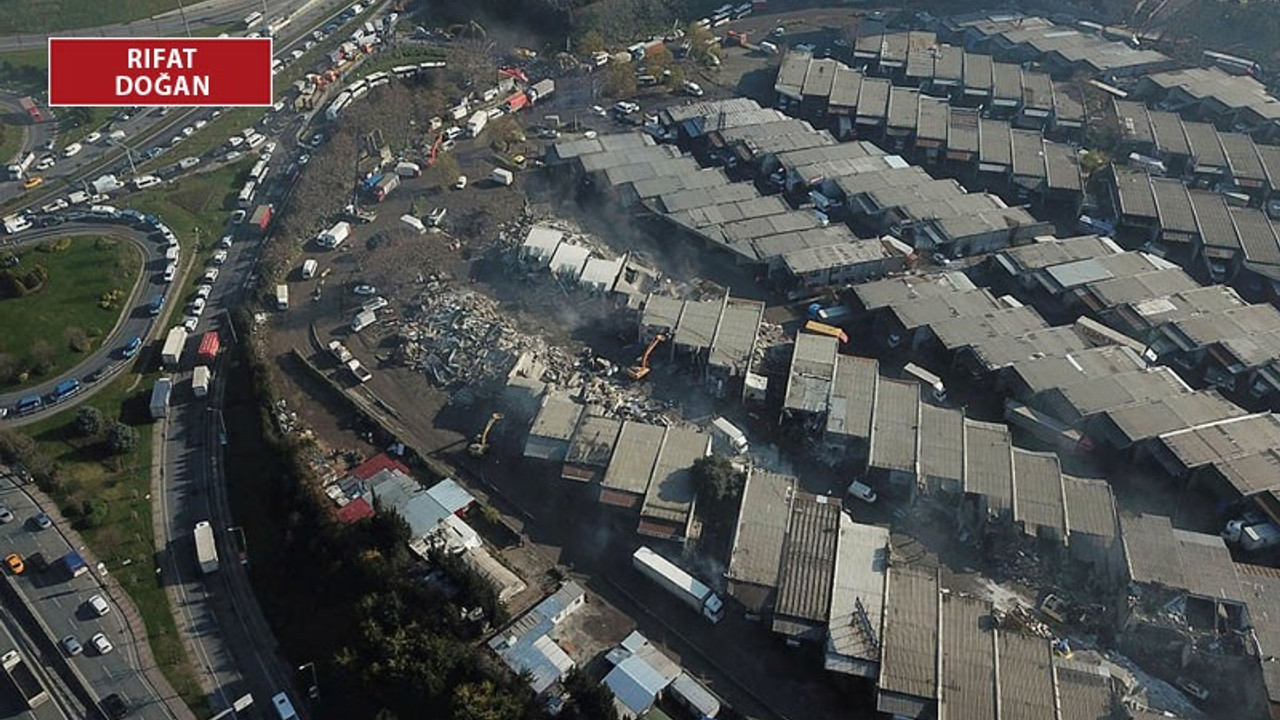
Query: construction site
(991, 460)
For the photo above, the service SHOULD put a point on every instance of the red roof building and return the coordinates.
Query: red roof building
(377, 464)
(355, 511)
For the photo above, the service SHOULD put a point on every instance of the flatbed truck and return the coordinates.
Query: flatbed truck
(24, 679)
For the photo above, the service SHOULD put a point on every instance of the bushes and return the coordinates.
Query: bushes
(16, 284)
(89, 421)
(121, 438)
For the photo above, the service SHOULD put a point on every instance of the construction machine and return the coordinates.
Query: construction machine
(481, 445)
(641, 371)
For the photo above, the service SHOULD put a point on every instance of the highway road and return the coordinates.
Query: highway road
(135, 321)
(61, 602)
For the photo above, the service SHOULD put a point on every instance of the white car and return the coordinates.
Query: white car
(225, 242)
(99, 606)
(170, 272)
(188, 131)
(72, 149)
(189, 323)
(46, 162)
(210, 275)
(234, 155)
(55, 206)
(197, 306)
(599, 111)
(93, 137)
(203, 291)
(268, 148)
(235, 141)
(365, 290)
(199, 124)
(101, 644)
(590, 134)
(460, 183)
(219, 257)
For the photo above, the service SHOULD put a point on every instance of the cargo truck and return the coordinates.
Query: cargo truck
(933, 382)
(261, 218)
(210, 344)
(160, 393)
(541, 90)
(174, 342)
(22, 677)
(73, 564)
(200, 378)
(502, 176)
(688, 589)
(359, 371)
(408, 169)
(309, 268)
(476, 123)
(729, 434)
(363, 320)
(832, 313)
(1251, 532)
(282, 297)
(334, 236)
(206, 548)
(383, 188)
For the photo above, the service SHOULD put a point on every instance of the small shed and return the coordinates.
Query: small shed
(540, 245)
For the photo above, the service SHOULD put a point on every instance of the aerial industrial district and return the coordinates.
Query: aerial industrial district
(875, 395)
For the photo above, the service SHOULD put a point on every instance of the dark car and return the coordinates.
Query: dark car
(96, 375)
(114, 706)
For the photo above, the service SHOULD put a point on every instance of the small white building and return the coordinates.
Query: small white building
(600, 275)
(540, 245)
(569, 261)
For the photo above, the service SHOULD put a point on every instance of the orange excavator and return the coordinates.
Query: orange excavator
(431, 152)
(481, 445)
(641, 371)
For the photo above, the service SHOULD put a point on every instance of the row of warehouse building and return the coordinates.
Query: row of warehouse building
(997, 149)
(792, 236)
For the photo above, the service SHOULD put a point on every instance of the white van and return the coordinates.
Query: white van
(142, 182)
(309, 269)
(730, 435)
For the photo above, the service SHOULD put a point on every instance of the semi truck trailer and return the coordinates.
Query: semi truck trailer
(688, 589)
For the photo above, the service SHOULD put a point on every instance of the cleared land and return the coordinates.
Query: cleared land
(53, 328)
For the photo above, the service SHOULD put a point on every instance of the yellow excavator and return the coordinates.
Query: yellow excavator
(481, 445)
(641, 371)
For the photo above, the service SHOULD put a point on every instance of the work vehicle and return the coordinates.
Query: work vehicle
(818, 328)
(830, 313)
(22, 678)
(18, 170)
(931, 381)
(206, 547)
(210, 344)
(729, 434)
(688, 589)
(501, 176)
(361, 373)
(476, 123)
(384, 186)
(160, 393)
(309, 268)
(437, 216)
(363, 320)
(541, 90)
(174, 343)
(414, 223)
(73, 564)
(1251, 533)
(334, 236)
(282, 297)
(200, 378)
(339, 351)
(641, 370)
(481, 444)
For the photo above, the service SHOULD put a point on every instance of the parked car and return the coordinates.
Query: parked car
(204, 291)
(237, 217)
(6, 515)
(210, 275)
(365, 290)
(225, 242)
(190, 322)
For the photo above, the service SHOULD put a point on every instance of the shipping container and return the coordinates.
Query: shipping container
(210, 344)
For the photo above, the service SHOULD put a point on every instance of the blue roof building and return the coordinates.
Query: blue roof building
(526, 645)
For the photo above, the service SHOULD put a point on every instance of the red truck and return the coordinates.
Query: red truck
(210, 343)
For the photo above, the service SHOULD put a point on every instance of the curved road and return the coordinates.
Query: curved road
(135, 320)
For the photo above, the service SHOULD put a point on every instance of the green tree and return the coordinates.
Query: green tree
(590, 42)
(619, 80)
(716, 480)
(121, 438)
(89, 421)
(588, 700)
(699, 39)
(659, 60)
(484, 701)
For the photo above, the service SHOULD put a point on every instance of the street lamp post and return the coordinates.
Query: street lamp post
(313, 692)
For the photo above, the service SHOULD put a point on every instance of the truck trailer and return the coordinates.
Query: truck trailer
(730, 435)
(408, 169)
(688, 589)
(200, 378)
(174, 343)
(334, 236)
(160, 393)
(21, 676)
(476, 123)
(541, 90)
(384, 186)
(206, 547)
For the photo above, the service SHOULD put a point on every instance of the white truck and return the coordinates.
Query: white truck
(1251, 532)
(200, 378)
(688, 589)
(334, 236)
(339, 351)
(309, 267)
(729, 434)
(160, 393)
(206, 547)
(476, 123)
(282, 297)
(408, 169)
(361, 373)
(174, 343)
(502, 176)
(363, 320)
(933, 382)
(541, 90)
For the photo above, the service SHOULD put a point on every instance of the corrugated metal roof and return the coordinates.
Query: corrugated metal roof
(1038, 493)
(968, 684)
(895, 425)
(634, 457)
(813, 364)
(988, 463)
(1223, 440)
(808, 558)
(1147, 420)
(671, 493)
(698, 321)
(857, 596)
(853, 395)
(762, 528)
(635, 684)
(941, 442)
(695, 695)
(1158, 553)
(1261, 589)
(594, 441)
(909, 651)
(1091, 508)
(735, 337)
(451, 496)
(1026, 677)
(556, 419)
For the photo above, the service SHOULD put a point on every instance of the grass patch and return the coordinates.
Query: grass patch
(26, 70)
(10, 142)
(51, 329)
(121, 535)
(47, 16)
